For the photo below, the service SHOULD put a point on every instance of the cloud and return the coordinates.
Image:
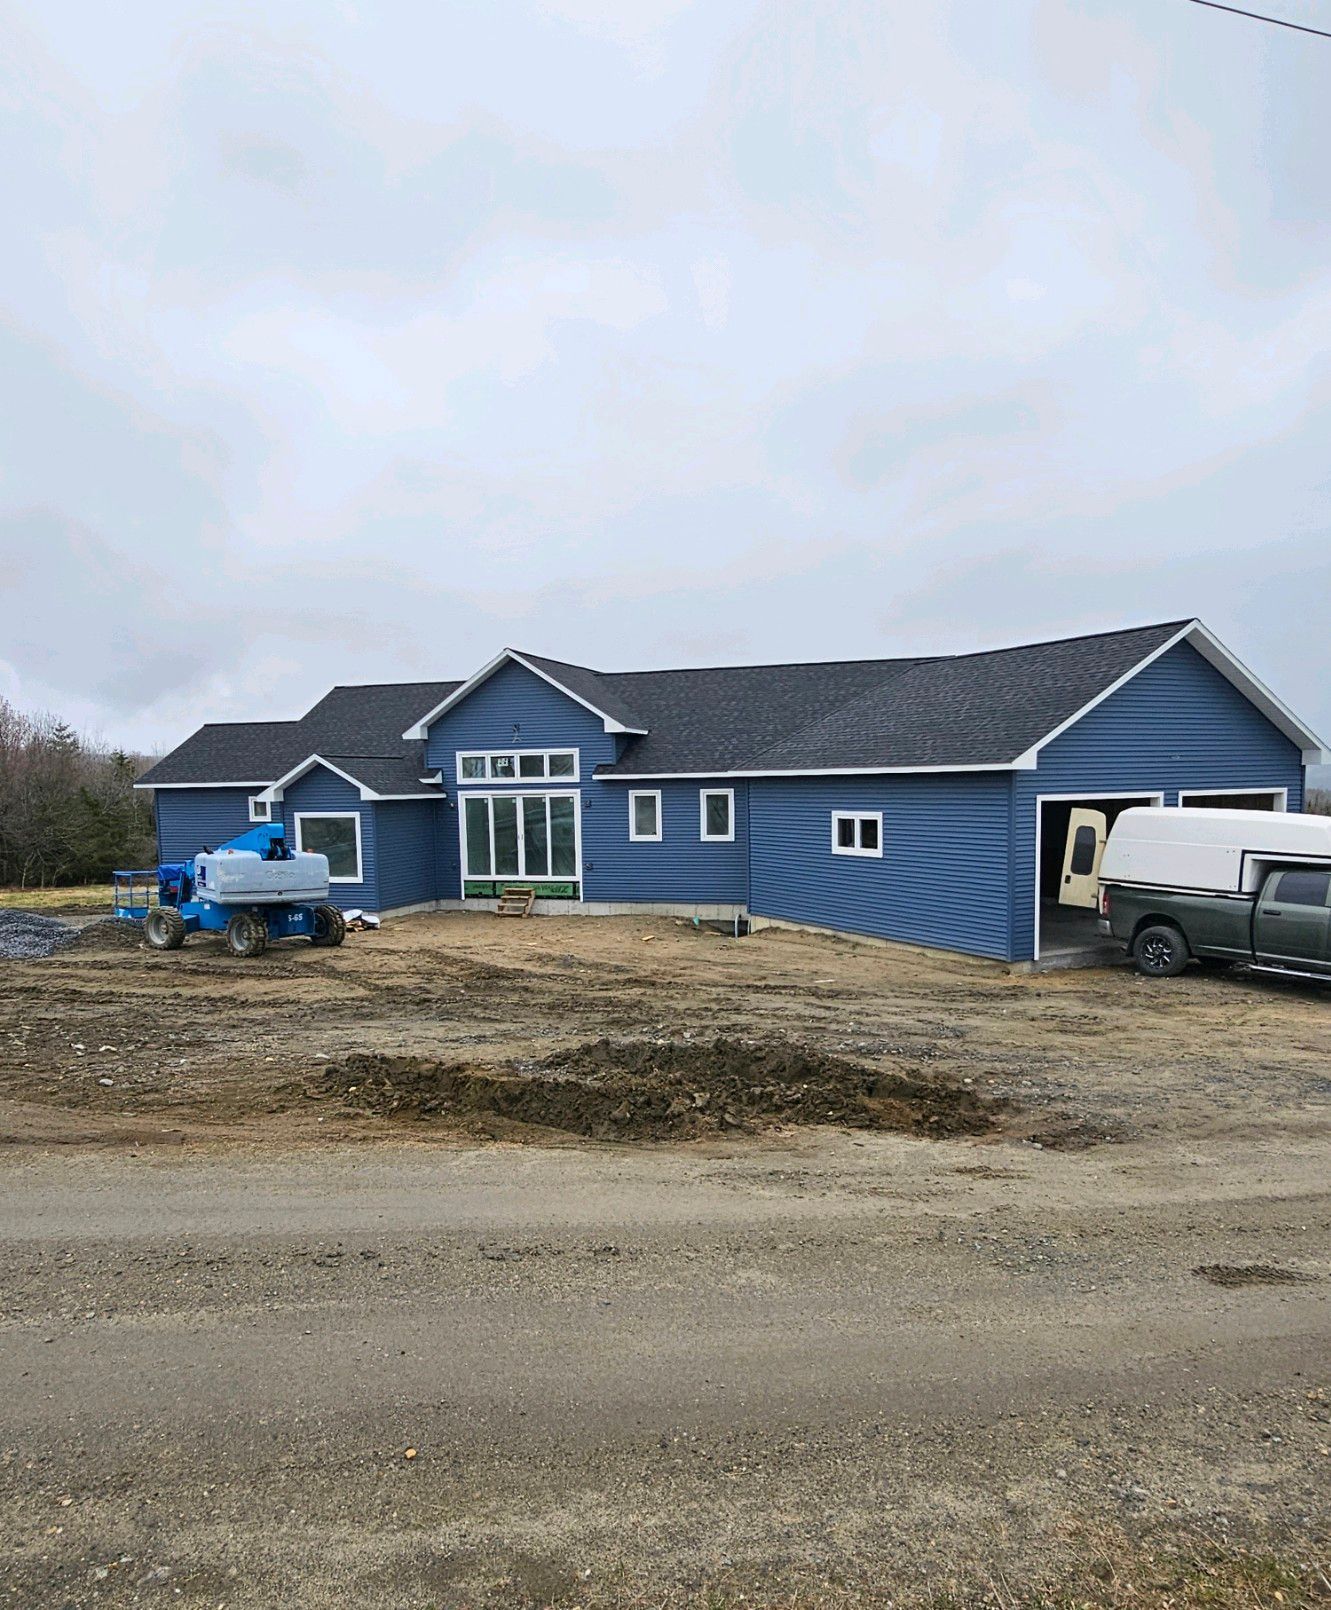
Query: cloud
(349, 343)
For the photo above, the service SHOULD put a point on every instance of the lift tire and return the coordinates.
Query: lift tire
(246, 936)
(330, 926)
(1160, 951)
(164, 928)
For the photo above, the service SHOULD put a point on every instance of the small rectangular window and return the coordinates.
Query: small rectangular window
(261, 810)
(718, 814)
(857, 833)
(502, 766)
(472, 768)
(531, 765)
(1302, 888)
(645, 816)
(564, 763)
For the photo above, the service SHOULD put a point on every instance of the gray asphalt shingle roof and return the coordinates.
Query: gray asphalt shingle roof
(361, 725)
(966, 710)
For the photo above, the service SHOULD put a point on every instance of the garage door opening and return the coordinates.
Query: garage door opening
(1070, 835)
(1236, 799)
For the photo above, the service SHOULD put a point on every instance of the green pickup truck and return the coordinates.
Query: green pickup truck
(1219, 887)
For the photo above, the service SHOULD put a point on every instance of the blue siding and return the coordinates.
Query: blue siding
(515, 709)
(407, 844)
(1177, 724)
(322, 790)
(944, 875)
(681, 868)
(191, 819)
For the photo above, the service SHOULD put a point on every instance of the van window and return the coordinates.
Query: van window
(1083, 852)
(1302, 888)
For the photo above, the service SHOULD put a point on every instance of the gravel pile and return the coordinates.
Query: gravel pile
(24, 935)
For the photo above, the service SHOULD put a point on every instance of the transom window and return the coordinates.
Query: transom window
(335, 835)
(520, 835)
(518, 765)
(645, 815)
(857, 833)
(716, 810)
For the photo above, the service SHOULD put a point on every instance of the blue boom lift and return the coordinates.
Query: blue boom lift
(253, 888)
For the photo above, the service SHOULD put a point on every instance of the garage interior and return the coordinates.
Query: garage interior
(1066, 931)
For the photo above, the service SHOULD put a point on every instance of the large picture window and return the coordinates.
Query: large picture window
(335, 835)
(520, 836)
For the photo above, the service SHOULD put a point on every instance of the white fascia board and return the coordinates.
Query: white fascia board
(1316, 752)
(1215, 653)
(807, 771)
(276, 790)
(253, 783)
(420, 729)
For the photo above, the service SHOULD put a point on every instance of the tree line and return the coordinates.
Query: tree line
(68, 810)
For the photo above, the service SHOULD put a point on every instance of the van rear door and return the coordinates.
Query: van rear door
(1292, 925)
(1087, 831)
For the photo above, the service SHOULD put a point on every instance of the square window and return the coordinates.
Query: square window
(531, 765)
(473, 768)
(564, 763)
(261, 810)
(337, 837)
(502, 766)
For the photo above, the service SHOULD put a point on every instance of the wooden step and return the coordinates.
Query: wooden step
(515, 902)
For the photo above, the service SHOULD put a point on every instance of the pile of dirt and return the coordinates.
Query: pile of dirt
(648, 1090)
(109, 933)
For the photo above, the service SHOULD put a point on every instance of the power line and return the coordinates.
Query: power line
(1256, 16)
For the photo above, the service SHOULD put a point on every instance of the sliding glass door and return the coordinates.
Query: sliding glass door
(531, 837)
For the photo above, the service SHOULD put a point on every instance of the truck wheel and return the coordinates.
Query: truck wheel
(1160, 952)
(246, 936)
(164, 928)
(330, 926)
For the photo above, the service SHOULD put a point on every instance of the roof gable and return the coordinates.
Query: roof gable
(581, 684)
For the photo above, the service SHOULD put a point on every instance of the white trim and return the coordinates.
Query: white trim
(704, 794)
(635, 794)
(1153, 796)
(267, 804)
(420, 728)
(808, 771)
(857, 817)
(1280, 795)
(1314, 750)
(276, 790)
(465, 876)
(517, 755)
(341, 816)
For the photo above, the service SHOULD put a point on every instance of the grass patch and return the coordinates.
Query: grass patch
(79, 897)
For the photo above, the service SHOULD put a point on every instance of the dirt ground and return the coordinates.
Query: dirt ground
(690, 1269)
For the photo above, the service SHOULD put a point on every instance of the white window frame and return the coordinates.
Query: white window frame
(1279, 795)
(856, 849)
(635, 794)
(704, 794)
(305, 816)
(522, 876)
(516, 755)
(267, 805)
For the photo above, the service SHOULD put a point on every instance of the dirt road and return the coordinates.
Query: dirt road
(856, 1363)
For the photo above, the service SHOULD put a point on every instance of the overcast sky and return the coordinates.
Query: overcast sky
(349, 343)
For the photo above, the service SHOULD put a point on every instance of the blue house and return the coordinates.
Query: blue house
(933, 801)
